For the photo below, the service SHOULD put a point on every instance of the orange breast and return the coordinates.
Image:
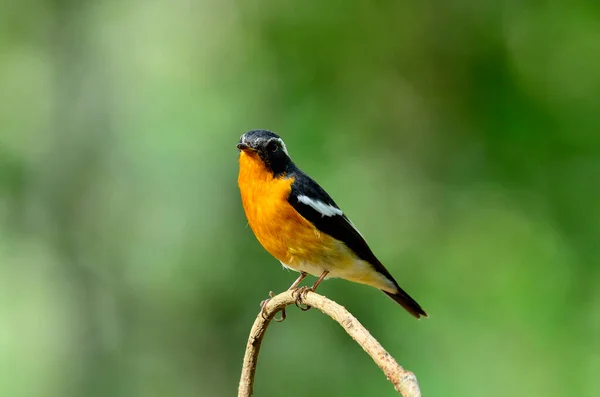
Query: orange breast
(283, 232)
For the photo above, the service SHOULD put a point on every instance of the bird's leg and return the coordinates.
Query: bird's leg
(301, 292)
(263, 304)
(321, 278)
(298, 280)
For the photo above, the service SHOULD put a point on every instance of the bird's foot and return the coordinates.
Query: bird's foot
(263, 311)
(300, 295)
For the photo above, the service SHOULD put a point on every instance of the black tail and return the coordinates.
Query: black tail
(408, 303)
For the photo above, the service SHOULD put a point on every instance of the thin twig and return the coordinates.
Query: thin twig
(405, 382)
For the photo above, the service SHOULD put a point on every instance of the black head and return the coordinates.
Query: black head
(269, 147)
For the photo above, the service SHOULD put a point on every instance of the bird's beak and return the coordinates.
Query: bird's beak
(245, 148)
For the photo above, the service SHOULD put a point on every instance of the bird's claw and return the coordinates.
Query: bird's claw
(263, 311)
(300, 295)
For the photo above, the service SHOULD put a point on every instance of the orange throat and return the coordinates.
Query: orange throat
(264, 199)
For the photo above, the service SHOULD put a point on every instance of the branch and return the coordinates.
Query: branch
(405, 382)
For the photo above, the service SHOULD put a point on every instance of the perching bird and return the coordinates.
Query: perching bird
(298, 223)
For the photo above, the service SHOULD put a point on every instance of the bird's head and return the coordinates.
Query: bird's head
(267, 147)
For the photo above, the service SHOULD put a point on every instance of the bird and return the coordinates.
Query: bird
(299, 224)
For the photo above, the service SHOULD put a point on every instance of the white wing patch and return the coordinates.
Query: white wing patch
(321, 207)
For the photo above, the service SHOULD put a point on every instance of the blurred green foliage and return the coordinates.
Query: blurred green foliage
(461, 137)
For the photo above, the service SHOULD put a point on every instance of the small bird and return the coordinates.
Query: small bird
(298, 223)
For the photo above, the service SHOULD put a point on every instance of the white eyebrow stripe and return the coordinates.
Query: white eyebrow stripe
(283, 145)
(319, 206)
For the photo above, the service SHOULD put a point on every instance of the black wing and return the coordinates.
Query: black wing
(335, 225)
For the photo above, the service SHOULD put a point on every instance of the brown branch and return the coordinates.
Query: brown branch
(405, 382)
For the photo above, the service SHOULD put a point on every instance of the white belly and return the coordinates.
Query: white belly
(357, 271)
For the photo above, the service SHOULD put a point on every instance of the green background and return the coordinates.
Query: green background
(462, 138)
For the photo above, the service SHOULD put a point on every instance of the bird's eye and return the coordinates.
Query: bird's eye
(272, 146)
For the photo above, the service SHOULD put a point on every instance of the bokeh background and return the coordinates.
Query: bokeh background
(461, 137)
